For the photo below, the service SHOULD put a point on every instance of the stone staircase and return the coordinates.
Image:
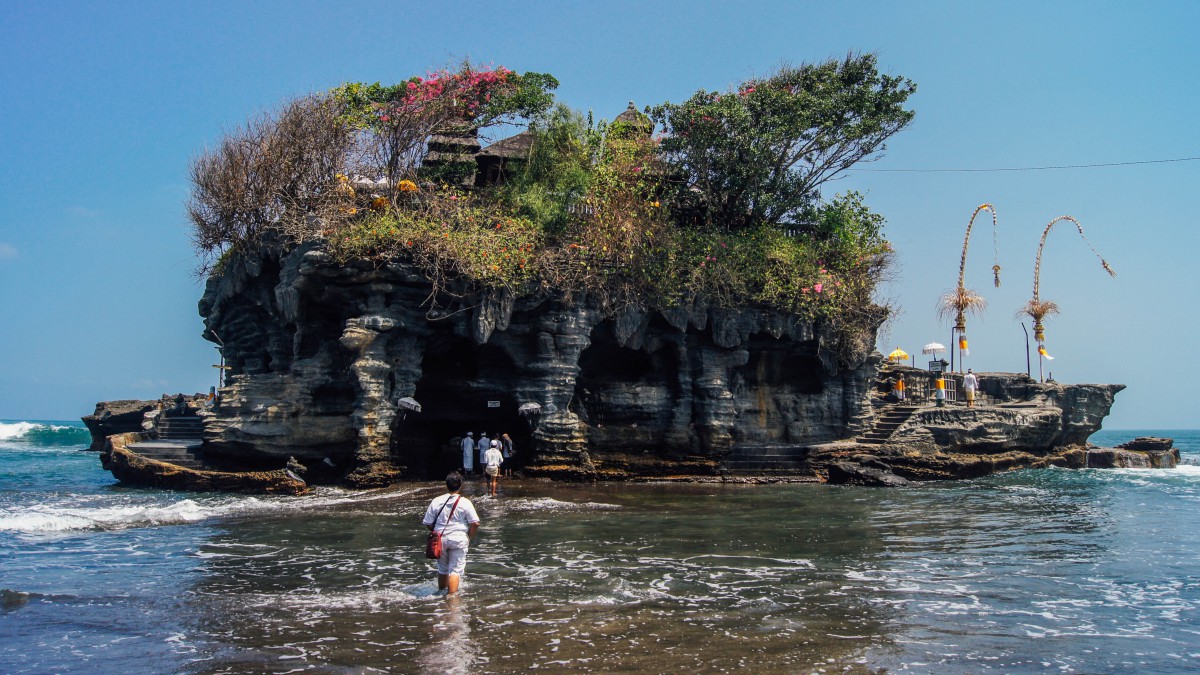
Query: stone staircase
(887, 423)
(767, 459)
(186, 427)
(179, 442)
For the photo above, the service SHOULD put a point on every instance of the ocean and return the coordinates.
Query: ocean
(1075, 571)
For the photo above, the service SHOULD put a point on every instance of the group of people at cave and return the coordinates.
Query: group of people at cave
(495, 457)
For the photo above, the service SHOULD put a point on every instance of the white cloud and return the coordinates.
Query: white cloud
(7, 251)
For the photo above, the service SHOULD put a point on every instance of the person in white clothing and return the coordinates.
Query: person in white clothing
(970, 385)
(454, 516)
(492, 460)
(482, 446)
(468, 452)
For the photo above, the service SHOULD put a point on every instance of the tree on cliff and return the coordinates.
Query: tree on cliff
(288, 171)
(605, 210)
(762, 152)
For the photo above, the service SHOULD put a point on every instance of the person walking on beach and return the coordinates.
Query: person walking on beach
(970, 384)
(468, 453)
(491, 466)
(454, 516)
(506, 450)
(483, 445)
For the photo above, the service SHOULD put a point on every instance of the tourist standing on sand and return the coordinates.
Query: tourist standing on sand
(970, 384)
(491, 466)
(468, 452)
(506, 449)
(454, 516)
(483, 445)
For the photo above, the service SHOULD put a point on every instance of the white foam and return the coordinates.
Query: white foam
(13, 430)
(551, 504)
(73, 516)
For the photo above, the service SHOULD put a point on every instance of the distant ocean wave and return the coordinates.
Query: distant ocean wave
(44, 434)
(81, 513)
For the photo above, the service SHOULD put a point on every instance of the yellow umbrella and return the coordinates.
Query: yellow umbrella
(897, 355)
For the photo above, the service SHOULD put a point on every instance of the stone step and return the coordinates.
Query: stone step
(769, 457)
(179, 434)
(750, 465)
(772, 471)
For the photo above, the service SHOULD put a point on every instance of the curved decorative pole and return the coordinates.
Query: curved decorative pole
(1038, 309)
(963, 301)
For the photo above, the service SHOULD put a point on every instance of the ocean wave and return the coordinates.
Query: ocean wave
(41, 433)
(105, 513)
(551, 504)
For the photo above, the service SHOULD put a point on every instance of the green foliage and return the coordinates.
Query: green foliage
(553, 183)
(762, 152)
(450, 173)
(725, 210)
(449, 236)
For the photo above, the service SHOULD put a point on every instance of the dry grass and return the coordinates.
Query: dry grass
(1038, 310)
(960, 302)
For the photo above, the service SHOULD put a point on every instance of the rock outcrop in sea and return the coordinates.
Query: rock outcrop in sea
(322, 355)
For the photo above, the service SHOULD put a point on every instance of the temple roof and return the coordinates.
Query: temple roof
(635, 119)
(513, 147)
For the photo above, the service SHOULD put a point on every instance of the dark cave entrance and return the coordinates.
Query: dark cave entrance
(463, 387)
(628, 396)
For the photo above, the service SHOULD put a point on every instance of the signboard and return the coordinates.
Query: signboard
(493, 404)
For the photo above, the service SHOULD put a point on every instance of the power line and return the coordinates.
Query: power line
(1030, 168)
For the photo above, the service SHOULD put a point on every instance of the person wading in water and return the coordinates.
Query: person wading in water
(454, 516)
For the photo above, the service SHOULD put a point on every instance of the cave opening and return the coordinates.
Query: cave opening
(463, 388)
(622, 387)
(773, 364)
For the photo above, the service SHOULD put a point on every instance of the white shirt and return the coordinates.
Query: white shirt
(493, 458)
(970, 382)
(454, 531)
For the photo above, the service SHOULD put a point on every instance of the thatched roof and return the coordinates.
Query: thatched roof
(454, 143)
(635, 120)
(513, 147)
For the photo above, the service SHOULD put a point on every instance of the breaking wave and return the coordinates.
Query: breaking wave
(68, 513)
(44, 434)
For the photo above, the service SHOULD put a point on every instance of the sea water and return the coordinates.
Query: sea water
(1068, 570)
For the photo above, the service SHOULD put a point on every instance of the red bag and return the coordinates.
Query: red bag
(433, 544)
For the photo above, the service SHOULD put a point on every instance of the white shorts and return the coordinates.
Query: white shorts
(492, 470)
(453, 561)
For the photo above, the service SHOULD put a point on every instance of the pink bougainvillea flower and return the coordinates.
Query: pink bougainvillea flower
(818, 287)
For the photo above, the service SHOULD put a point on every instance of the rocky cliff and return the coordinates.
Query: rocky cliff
(322, 354)
(1018, 423)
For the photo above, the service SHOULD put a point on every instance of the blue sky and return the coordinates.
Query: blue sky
(104, 105)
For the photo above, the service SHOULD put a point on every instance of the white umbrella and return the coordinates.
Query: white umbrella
(933, 348)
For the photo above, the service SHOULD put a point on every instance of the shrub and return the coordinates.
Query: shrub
(270, 174)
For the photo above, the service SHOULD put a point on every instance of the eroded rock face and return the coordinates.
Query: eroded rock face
(116, 417)
(321, 354)
(1145, 452)
(1020, 423)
